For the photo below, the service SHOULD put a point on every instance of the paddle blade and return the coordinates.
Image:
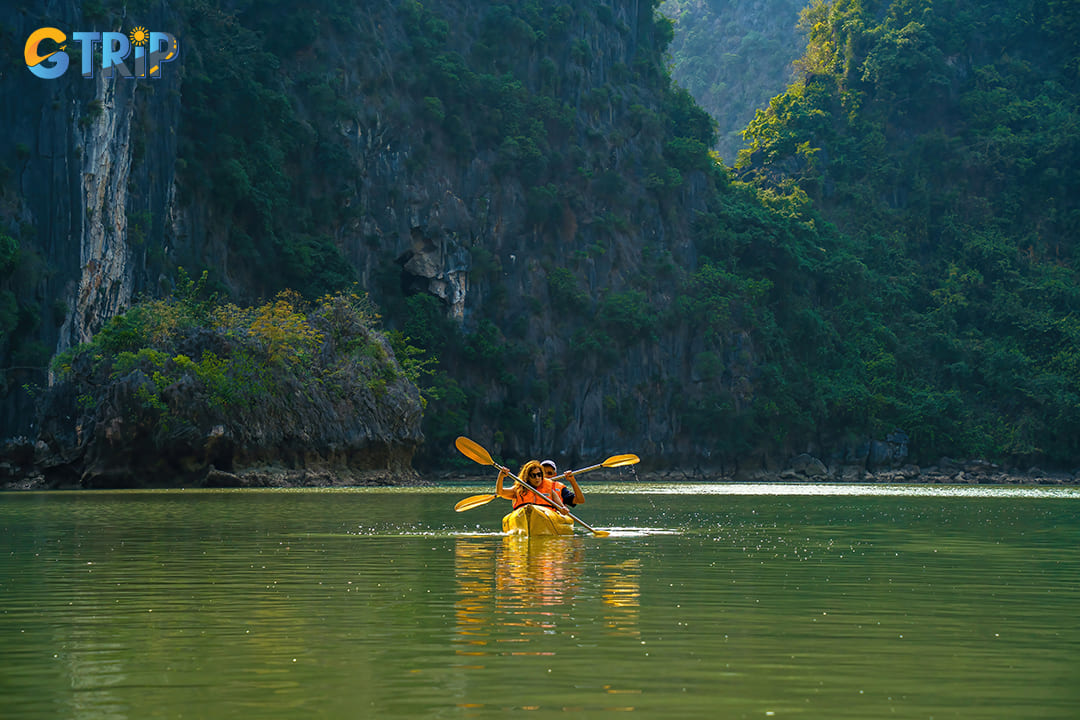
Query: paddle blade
(474, 502)
(621, 460)
(473, 451)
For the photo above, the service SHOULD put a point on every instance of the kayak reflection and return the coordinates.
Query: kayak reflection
(621, 593)
(514, 588)
(538, 571)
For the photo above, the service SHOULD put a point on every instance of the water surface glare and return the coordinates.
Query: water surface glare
(706, 601)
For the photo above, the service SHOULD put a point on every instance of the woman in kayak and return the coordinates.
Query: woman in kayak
(540, 488)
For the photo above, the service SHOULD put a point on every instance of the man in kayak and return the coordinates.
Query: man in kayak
(541, 487)
(569, 497)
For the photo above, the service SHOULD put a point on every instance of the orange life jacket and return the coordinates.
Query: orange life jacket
(526, 494)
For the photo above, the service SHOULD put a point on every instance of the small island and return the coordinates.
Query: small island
(190, 392)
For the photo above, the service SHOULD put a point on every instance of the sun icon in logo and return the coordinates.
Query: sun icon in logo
(138, 35)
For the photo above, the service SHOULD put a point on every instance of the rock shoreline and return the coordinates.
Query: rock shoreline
(974, 473)
(257, 477)
(946, 472)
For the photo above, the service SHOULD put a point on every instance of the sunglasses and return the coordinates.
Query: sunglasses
(536, 473)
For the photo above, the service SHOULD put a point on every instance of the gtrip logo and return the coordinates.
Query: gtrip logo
(46, 52)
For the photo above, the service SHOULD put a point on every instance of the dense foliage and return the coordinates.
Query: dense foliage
(191, 357)
(944, 141)
(249, 153)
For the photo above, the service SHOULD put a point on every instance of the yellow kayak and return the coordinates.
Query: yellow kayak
(537, 520)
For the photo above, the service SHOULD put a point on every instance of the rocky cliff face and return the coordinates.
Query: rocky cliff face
(526, 168)
(90, 202)
(497, 241)
(107, 263)
(87, 167)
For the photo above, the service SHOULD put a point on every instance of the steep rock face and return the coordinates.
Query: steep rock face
(88, 170)
(434, 188)
(106, 262)
(90, 201)
(464, 230)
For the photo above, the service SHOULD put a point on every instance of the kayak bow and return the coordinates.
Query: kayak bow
(534, 520)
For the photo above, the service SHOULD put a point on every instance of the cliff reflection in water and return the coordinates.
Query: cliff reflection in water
(513, 589)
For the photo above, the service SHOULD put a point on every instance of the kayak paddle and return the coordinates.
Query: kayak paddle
(474, 501)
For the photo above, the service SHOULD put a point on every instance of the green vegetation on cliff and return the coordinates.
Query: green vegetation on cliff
(944, 141)
(190, 361)
(250, 155)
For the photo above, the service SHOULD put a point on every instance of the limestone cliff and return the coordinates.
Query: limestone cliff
(517, 184)
(86, 166)
(118, 182)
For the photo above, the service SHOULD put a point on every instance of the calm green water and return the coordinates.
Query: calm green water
(706, 602)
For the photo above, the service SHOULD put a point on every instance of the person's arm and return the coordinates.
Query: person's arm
(500, 490)
(579, 497)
